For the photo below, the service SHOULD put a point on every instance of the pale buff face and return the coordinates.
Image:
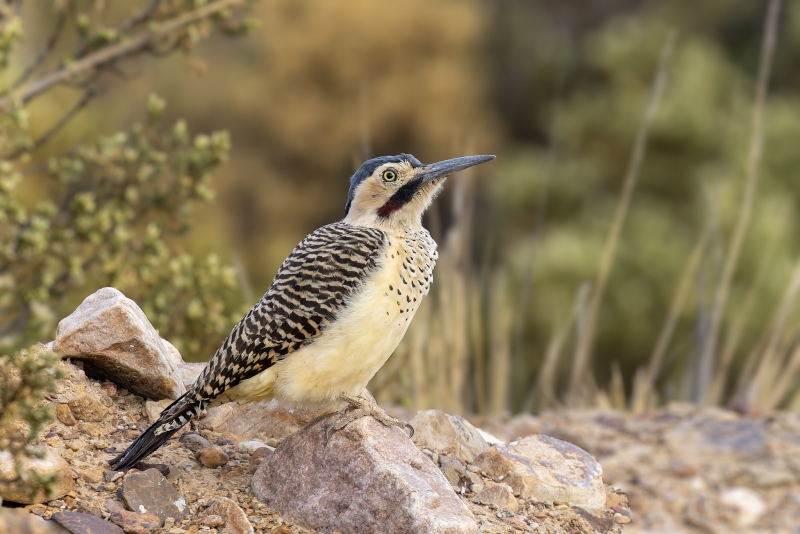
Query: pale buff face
(375, 192)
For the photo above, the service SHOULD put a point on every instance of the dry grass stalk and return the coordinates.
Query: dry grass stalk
(644, 383)
(716, 391)
(755, 151)
(580, 372)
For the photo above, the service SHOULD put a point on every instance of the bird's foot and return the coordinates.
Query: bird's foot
(359, 407)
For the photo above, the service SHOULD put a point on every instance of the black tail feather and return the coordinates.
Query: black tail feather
(173, 417)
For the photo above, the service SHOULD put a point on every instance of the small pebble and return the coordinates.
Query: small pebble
(64, 415)
(621, 519)
(212, 457)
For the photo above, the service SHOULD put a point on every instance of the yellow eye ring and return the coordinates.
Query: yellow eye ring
(389, 176)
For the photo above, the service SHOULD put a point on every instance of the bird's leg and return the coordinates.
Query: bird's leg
(361, 406)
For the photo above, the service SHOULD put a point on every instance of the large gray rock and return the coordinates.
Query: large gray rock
(448, 434)
(366, 478)
(547, 469)
(50, 464)
(113, 337)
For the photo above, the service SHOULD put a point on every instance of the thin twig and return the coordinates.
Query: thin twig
(141, 18)
(48, 47)
(114, 53)
(45, 137)
(586, 341)
(751, 182)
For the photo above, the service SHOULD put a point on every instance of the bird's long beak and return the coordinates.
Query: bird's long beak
(433, 171)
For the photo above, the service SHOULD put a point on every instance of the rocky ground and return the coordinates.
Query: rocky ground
(257, 468)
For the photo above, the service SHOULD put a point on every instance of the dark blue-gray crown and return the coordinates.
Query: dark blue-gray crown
(369, 166)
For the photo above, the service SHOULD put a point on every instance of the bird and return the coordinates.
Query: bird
(336, 310)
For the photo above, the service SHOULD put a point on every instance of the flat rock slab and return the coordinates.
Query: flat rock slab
(148, 492)
(113, 337)
(448, 434)
(366, 478)
(257, 420)
(547, 469)
(78, 523)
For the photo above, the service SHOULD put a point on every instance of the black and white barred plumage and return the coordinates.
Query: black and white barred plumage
(311, 287)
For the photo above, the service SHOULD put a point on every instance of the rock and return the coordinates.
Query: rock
(78, 523)
(113, 337)
(92, 476)
(233, 517)
(194, 442)
(621, 519)
(154, 408)
(365, 478)
(64, 414)
(446, 461)
(189, 372)
(133, 523)
(249, 447)
(50, 464)
(212, 457)
(87, 408)
(600, 523)
(448, 434)
(451, 475)
(19, 521)
(110, 389)
(212, 521)
(257, 420)
(748, 505)
(148, 492)
(258, 456)
(706, 435)
(498, 497)
(547, 469)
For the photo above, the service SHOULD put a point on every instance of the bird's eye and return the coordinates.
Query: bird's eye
(389, 176)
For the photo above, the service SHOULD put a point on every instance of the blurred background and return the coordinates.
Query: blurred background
(630, 245)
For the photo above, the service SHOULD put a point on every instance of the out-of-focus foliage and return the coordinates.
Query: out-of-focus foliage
(24, 378)
(114, 211)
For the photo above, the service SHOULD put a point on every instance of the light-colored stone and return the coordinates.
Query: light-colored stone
(498, 497)
(50, 464)
(233, 517)
(257, 420)
(131, 522)
(189, 372)
(87, 408)
(249, 447)
(194, 442)
(64, 414)
(20, 521)
(747, 504)
(365, 478)
(448, 434)
(154, 408)
(148, 492)
(113, 337)
(546, 469)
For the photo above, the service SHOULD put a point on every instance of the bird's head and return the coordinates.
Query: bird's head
(394, 191)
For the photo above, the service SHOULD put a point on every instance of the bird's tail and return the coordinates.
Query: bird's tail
(171, 420)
